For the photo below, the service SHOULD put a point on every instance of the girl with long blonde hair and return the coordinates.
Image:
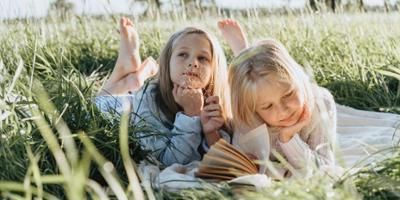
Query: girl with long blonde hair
(187, 104)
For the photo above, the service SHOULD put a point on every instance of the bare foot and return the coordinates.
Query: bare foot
(233, 34)
(148, 69)
(128, 56)
(133, 81)
(124, 85)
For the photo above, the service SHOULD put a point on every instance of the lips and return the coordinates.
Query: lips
(191, 74)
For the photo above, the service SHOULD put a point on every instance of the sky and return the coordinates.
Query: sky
(38, 8)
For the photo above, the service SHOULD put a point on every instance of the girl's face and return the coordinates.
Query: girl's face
(190, 63)
(279, 103)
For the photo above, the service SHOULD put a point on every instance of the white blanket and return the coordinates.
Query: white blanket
(362, 133)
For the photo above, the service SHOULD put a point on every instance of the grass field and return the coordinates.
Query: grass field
(55, 143)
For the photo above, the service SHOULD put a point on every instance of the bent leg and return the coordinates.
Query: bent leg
(233, 34)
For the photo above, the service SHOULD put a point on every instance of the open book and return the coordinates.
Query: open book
(225, 162)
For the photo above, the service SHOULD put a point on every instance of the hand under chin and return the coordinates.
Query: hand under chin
(194, 84)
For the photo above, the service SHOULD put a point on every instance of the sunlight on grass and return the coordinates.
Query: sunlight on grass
(55, 143)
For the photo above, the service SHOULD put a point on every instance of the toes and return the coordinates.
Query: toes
(221, 24)
(129, 22)
(227, 22)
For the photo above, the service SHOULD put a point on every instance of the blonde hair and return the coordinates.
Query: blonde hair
(267, 57)
(219, 78)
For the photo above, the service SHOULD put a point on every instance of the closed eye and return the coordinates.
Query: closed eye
(267, 107)
(203, 59)
(288, 94)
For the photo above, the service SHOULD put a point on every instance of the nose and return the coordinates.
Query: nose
(283, 111)
(193, 63)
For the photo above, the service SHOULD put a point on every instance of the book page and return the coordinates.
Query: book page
(211, 160)
(228, 155)
(236, 153)
(227, 171)
(256, 142)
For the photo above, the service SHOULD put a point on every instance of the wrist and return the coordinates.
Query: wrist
(212, 137)
(284, 138)
(208, 133)
(191, 113)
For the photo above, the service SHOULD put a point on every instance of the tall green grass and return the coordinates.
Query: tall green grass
(55, 143)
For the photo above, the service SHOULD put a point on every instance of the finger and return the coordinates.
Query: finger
(218, 121)
(306, 115)
(213, 114)
(292, 129)
(197, 92)
(189, 91)
(181, 91)
(212, 107)
(212, 99)
(193, 96)
(298, 126)
(183, 82)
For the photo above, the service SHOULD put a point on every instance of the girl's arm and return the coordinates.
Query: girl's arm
(179, 145)
(317, 149)
(212, 138)
(212, 120)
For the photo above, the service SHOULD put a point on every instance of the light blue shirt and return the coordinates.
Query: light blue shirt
(169, 142)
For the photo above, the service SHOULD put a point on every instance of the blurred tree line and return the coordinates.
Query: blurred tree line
(64, 7)
(315, 5)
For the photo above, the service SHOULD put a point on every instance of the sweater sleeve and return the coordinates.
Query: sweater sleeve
(176, 144)
(109, 104)
(317, 148)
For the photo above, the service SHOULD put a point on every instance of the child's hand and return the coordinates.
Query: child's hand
(211, 115)
(286, 133)
(190, 99)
